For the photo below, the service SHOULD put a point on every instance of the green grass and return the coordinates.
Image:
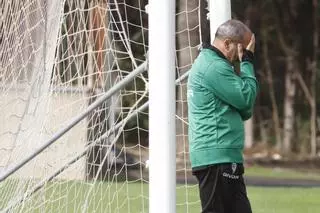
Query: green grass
(271, 200)
(133, 197)
(284, 200)
(280, 173)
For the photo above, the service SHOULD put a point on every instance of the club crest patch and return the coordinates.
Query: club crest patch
(233, 167)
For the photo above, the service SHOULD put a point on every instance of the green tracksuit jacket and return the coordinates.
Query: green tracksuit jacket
(219, 100)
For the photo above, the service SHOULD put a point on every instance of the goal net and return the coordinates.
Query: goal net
(69, 99)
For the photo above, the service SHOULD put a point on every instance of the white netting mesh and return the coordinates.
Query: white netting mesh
(58, 57)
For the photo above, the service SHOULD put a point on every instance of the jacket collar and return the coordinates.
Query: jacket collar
(216, 50)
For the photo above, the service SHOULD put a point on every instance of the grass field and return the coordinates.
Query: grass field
(133, 197)
(258, 171)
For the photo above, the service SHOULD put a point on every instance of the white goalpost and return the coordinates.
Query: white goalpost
(91, 90)
(220, 11)
(162, 151)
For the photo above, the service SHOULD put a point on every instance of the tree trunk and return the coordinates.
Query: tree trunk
(313, 107)
(290, 91)
(313, 127)
(249, 135)
(275, 110)
(310, 93)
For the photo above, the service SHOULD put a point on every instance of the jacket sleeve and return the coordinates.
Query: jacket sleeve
(246, 114)
(237, 91)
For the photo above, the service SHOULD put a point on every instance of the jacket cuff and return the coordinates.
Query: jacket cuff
(247, 56)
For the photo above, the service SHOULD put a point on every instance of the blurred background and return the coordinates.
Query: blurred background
(59, 57)
(285, 121)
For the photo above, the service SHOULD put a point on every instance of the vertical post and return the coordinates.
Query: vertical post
(162, 145)
(220, 11)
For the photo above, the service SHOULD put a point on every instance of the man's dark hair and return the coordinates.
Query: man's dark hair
(232, 29)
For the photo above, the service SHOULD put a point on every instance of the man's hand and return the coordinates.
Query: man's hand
(240, 52)
(250, 47)
(252, 44)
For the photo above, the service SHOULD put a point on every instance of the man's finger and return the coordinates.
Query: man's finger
(240, 51)
(252, 40)
(251, 45)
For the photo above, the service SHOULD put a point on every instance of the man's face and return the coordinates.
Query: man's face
(232, 47)
(234, 52)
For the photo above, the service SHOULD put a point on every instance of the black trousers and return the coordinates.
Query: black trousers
(222, 189)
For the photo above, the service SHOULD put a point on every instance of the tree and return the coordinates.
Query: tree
(286, 15)
(269, 76)
(310, 92)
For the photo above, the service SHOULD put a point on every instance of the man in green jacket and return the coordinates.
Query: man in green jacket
(220, 99)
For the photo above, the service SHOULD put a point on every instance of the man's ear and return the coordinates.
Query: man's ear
(227, 43)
